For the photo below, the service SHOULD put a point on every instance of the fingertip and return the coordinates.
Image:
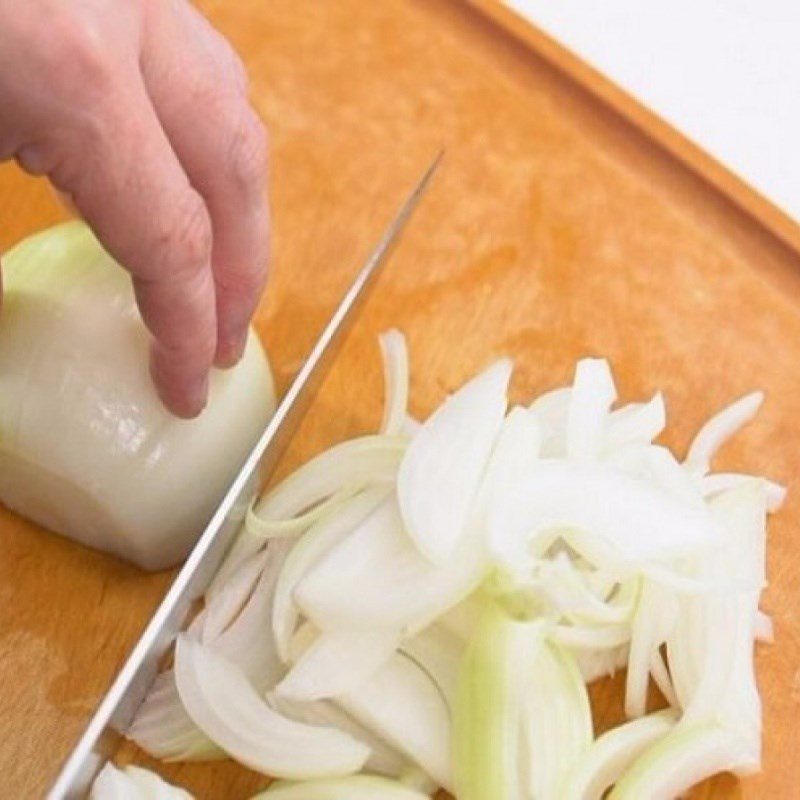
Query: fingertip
(184, 395)
(230, 351)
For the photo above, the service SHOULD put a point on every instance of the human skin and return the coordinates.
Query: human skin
(137, 111)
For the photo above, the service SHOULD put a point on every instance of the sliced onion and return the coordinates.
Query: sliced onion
(222, 703)
(249, 642)
(487, 745)
(655, 618)
(628, 514)
(595, 664)
(228, 603)
(445, 462)
(679, 760)
(395, 370)
(723, 481)
(152, 787)
(439, 652)
(338, 663)
(516, 450)
(613, 752)
(397, 587)
(403, 706)
(557, 722)
(163, 729)
(348, 467)
(593, 393)
(635, 424)
(551, 410)
(260, 528)
(719, 429)
(383, 758)
(357, 787)
(133, 783)
(308, 551)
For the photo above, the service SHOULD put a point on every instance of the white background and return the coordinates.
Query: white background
(724, 72)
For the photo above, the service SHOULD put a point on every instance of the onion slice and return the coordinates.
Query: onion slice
(613, 752)
(719, 429)
(593, 393)
(403, 706)
(395, 370)
(223, 704)
(445, 462)
(358, 787)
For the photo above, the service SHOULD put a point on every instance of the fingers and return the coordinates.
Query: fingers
(127, 182)
(198, 91)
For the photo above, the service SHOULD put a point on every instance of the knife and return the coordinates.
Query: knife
(117, 709)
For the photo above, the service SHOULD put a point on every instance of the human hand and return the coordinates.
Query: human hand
(137, 111)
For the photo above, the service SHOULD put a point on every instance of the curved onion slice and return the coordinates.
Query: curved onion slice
(163, 729)
(308, 551)
(712, 485)
(486, 724)
(556, 723)
(397, 588)
(338, 663)
(593, 393)
(403, 706)
(677, 761)
(551, 409)
(133, 783)
(348, 467)
(395, 371)
(719, 429)
(439, 652)
(225, 606)
(80, 421)
(613, 752)
(224, 705)
(358, 787)
(383, 758)
(655, 618)
(442, 469)
(637, 423)
(636, 520)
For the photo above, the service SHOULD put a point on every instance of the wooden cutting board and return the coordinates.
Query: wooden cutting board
(564, 222)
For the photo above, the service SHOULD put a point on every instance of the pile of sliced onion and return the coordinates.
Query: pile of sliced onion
(423, 608)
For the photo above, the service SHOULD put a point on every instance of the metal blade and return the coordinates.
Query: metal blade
(119, 706)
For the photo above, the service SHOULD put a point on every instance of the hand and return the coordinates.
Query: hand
(137, 110)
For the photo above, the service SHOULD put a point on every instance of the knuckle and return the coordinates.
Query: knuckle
(81, 57)
(185, 236)
(248, 152)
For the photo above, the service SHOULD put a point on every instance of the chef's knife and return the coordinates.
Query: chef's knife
(116, 711)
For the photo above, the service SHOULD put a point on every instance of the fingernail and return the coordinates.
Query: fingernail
(230, 351)
(197, 395)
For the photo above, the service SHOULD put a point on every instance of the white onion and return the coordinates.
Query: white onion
(133, 783)
(443, 467)
(86, 447)
(452, 612)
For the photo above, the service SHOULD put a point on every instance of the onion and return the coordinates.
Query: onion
(358, 787)
(430, 603)
(133, 783)
(442, 469)
(223, 704)
(86, 448)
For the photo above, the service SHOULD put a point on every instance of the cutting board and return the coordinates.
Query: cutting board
(564, 222)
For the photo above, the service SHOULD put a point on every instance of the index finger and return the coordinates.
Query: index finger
(222, 149)
(132, 190)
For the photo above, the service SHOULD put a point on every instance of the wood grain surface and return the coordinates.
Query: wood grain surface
(554, 230)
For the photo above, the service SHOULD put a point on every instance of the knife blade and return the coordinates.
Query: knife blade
(118, 707)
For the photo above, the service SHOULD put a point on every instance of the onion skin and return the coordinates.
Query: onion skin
(86, 448)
